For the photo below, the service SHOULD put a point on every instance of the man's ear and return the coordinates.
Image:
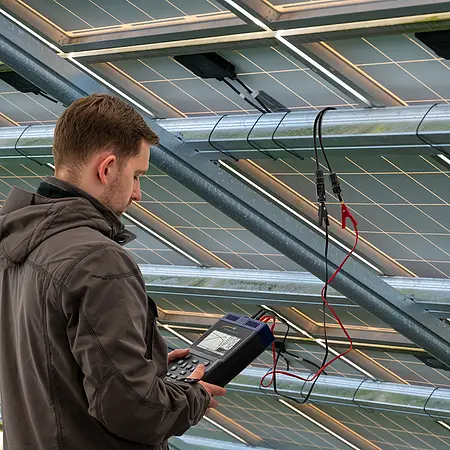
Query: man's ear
(105, 166)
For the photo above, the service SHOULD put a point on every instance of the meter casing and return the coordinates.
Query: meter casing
(226, 349)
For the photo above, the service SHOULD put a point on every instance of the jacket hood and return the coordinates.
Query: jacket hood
(27, 219)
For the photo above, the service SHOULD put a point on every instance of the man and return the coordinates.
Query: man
(82, 363)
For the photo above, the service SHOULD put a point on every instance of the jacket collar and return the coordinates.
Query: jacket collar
(56, 188)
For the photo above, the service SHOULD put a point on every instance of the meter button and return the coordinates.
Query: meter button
(194, 361)
(173, 376)
(189, 367)
(183, 365)
(182, 372)
(180, 362)
(173, 368)
(206, 363)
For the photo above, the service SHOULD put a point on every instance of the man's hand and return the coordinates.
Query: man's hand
(177, 354)
(212, 389)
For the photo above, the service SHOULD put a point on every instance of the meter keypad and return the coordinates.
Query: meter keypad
(183, 367)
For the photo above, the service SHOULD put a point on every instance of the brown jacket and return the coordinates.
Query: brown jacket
(81, 359)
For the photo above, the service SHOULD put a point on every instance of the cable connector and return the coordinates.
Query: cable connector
(323, 215)
(336, 185)
(320, 186)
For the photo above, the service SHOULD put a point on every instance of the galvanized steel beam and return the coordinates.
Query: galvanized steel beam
(385, 131)
(425, 401)
(285, 289)
(376, 131)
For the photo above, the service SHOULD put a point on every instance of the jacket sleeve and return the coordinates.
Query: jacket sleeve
(107, 312)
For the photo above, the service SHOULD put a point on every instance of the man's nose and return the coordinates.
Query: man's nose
(137, 196)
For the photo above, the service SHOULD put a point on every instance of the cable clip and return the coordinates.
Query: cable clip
(346, 214)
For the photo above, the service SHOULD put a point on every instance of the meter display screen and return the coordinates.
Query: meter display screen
(218, 342)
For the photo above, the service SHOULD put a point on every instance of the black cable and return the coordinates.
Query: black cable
(327, 242)
(242, 96)
(276, 363)
(325, 358)
(315, 132)
(439, 149)
(323, 216)
(319, 132)
(320, 180)
(250, 92)
(24, 154)
(283, 345)
(336, 186)
(243, 85)
(237, 91)
(308, 395)
(304, 360)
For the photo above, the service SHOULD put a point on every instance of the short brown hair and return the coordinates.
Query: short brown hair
(96, 122)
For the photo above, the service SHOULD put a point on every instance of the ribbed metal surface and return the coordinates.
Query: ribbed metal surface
(372, 131)
(376, 395)
(279, 288)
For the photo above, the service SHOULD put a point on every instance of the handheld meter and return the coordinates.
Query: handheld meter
(226, 349)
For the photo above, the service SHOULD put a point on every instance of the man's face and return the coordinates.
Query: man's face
(126, 188)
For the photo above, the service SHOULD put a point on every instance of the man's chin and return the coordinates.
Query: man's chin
(119, 212)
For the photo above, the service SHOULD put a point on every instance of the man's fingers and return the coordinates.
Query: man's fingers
(218, 391)
(178, 354)
(213, 403)
(198, 372)
(214, 390)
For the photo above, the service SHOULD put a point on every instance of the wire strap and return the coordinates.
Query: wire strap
(217, 148)
(369, 410)
(254, 146)
(278, 144)
(426, 403)
(425, 141)
(22, 153)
